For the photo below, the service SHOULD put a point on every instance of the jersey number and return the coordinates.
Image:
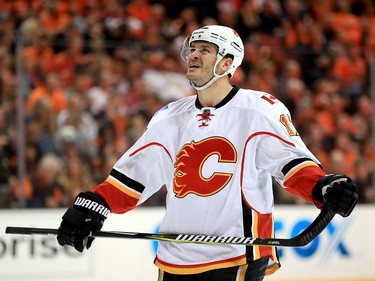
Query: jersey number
(286, 120)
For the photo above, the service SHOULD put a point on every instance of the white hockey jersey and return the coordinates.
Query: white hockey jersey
(217, 164)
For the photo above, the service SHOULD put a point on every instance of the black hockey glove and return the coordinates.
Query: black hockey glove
(88, 214)
(337, 192)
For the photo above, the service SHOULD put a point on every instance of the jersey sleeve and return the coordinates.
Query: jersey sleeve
(300, 177)
(282, 152)
(139, 173)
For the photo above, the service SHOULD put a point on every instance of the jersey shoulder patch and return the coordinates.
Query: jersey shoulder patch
(161, 109)
(172, 109)
(261, 101)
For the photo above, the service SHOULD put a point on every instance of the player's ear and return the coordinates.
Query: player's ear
(225, 64)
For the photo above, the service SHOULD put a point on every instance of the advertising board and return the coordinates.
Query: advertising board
(342, 252)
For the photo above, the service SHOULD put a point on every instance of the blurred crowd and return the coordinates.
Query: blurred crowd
(92, 73)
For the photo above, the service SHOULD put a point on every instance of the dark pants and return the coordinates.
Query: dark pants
(253, 271)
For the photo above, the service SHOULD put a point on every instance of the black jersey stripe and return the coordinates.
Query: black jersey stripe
(127, 181)
(286, 169)
(247, 224)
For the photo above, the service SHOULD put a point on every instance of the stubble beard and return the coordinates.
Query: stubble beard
(199, 79)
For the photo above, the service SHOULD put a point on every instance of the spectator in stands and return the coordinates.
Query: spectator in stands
(75, 177)
(45, 190)
(344, 23)
(350, 68)
(40, 133)
(6, 154)
(49, 91)
(84, 127)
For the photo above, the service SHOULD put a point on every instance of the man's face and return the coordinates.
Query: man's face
(200, 62)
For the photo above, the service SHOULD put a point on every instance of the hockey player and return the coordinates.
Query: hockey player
(216, 152)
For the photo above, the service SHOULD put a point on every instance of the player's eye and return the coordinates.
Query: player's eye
(187, 51)
(205, 51)
(192, 50)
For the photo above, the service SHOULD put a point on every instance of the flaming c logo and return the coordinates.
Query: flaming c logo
(188, 177)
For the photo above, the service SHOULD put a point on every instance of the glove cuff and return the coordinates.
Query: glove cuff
(317, 193)
(92, 204)
(320, 189)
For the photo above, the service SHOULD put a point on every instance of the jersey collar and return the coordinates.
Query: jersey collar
(224, 101)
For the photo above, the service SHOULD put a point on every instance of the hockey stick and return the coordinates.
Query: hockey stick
(304, 238)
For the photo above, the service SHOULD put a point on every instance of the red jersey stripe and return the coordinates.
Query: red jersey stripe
(119, 202)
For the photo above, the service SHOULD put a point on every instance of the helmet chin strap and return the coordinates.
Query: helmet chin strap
(212, 80)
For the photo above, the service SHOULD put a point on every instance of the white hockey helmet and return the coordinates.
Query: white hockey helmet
(225, 38)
